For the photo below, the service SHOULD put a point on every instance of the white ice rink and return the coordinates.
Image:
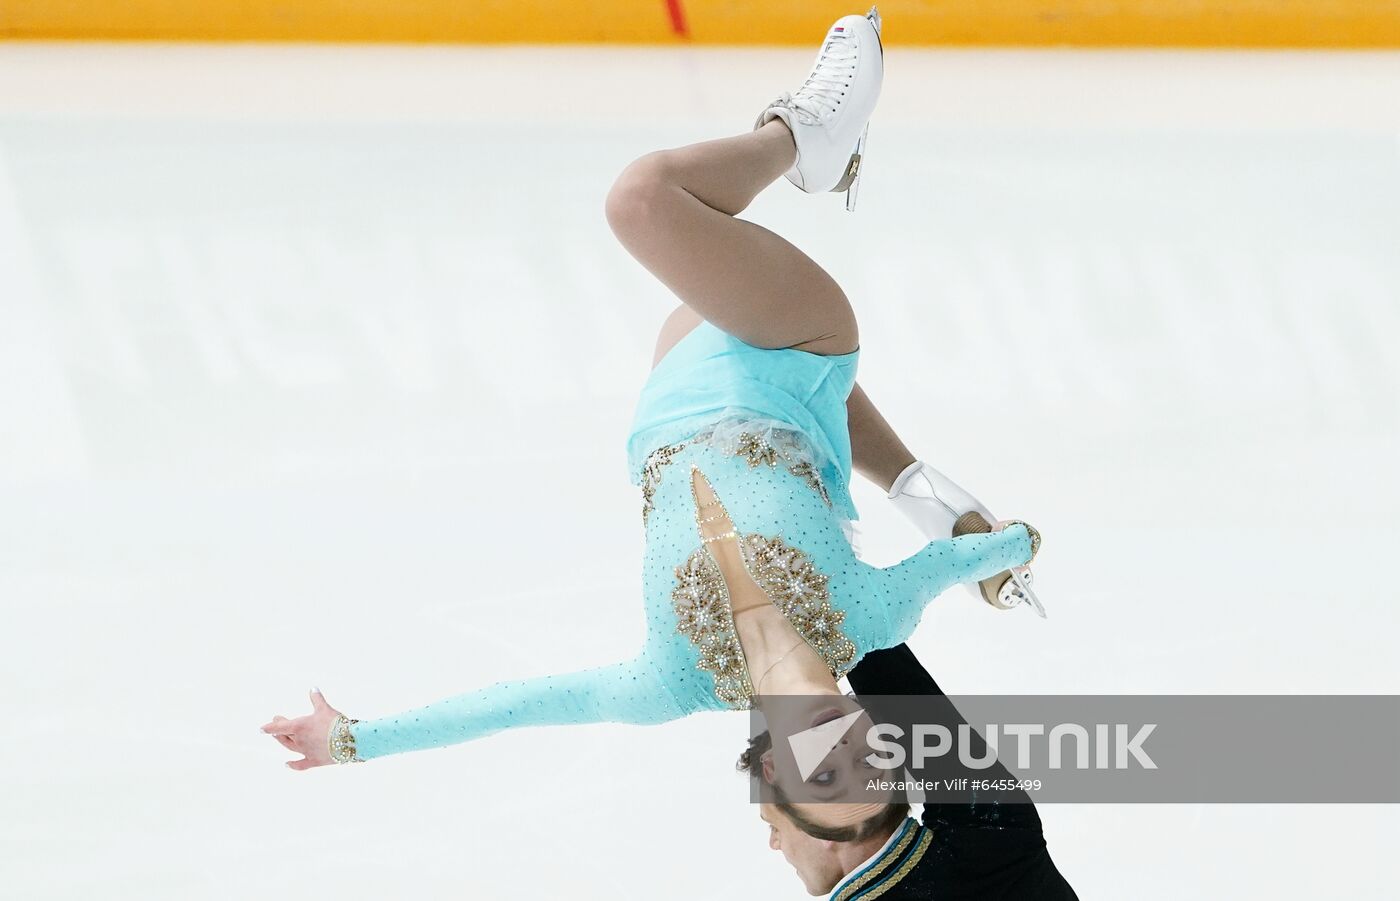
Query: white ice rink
(300, 346)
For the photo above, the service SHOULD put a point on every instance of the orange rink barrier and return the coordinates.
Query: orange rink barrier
(1199, 23)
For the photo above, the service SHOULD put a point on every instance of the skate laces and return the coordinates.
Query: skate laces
(830, 79)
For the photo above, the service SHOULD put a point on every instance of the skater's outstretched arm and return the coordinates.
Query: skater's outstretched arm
(628, 692)
(909, 585)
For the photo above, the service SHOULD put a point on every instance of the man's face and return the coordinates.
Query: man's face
(836, 792)
(814, 859)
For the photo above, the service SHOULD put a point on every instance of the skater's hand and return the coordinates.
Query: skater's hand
(308, 735)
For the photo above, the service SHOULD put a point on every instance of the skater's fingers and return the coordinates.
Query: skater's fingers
(305, 763)
(278, 725)
(287, 742)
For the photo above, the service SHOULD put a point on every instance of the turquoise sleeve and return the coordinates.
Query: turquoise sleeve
(628, 692)
(909, 585)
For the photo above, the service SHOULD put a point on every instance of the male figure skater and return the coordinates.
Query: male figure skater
(968, 851)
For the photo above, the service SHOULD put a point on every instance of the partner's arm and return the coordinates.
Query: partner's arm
(892, 671)
(897, 672)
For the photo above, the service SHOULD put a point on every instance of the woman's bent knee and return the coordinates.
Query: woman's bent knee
(638, 193)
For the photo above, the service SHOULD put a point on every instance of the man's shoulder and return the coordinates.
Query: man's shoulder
(892, 671)
(899, 871)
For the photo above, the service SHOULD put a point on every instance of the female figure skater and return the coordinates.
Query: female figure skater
(742, 450)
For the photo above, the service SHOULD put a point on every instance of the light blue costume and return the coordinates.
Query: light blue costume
(767, 428)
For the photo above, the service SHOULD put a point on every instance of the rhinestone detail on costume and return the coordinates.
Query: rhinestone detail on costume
(342, 741)
(651, 475)
(799, 591)
(791, 582)
(756, 449)
(806, 471)
(759, 451)
(701, 601)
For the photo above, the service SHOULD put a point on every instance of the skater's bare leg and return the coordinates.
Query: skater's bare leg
(674, 211)
(876, 449)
